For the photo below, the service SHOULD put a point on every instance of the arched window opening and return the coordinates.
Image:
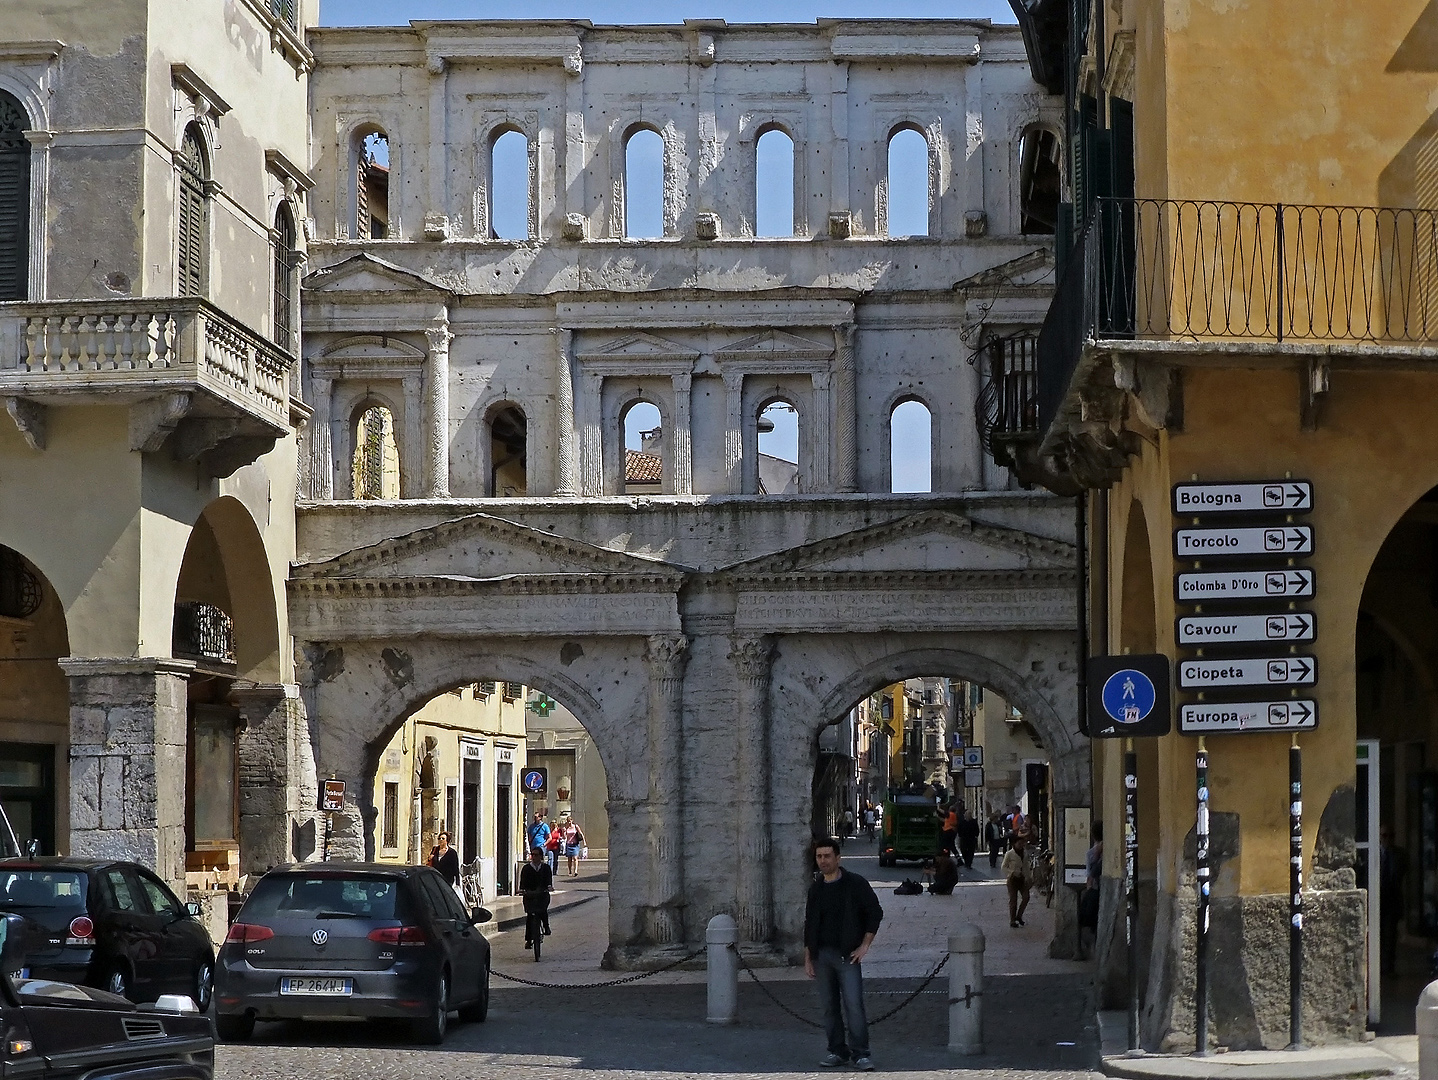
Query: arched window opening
(376, 457)
(14, 200)
(192, 241)
(508, 453)
(372, 187)
(911, 448)
(774, 184)
(509, 187)
(778, 445)
(644, 185)
(1038, 182)
(284, 270)
(643, 449)
(908, 209)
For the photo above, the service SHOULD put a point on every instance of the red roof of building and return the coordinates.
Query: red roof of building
(643, 468)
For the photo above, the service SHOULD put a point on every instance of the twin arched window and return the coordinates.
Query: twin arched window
(193, 232)
(14, 200)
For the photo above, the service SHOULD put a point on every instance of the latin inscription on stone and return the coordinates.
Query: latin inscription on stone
(914, 609)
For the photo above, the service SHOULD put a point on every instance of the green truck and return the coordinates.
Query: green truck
(911, 830)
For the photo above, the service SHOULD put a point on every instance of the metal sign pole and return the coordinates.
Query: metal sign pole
(328, 819)
(1200, 1004)
(1295, 896)
(1130, 877)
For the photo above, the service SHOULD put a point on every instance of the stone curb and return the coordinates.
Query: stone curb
(1257, 1065)
(509, 922)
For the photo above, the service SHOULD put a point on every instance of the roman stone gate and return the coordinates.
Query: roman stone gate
(476, 340)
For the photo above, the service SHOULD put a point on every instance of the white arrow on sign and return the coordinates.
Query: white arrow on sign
(1266, 496)
(1250, 671)
(1210, 629)
(1276, 540)
(1247, 717)
(1243, 585)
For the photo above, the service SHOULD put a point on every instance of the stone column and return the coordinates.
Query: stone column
(752, 658)
(591, 408)
(40, 142)
(734, 430)
(846, 421)
(268, 784)
(436, 410)
(322, 464)
(682, 467)
(665, 658)
(567, 481)
(821, 443)
(128, 728)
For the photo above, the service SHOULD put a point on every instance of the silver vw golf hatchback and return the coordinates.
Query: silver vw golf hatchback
(332, 940)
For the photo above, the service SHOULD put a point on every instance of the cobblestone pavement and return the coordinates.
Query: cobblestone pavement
(1037, 1012)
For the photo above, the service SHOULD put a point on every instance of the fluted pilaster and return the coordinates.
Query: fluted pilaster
(753, 659)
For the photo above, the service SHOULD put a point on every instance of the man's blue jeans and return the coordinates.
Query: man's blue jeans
(841, 994)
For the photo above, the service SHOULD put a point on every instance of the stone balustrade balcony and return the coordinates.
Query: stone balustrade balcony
(193, 377)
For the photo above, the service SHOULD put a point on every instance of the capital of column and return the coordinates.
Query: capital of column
(752, 655)
(666, 655)
(438, 336)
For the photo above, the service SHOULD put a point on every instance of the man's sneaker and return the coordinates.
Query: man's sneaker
(863, 1064)
(831, 1061)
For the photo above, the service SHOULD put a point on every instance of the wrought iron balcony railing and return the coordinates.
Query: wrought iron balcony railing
(203, 632)
(1256, 272)
(1008, 402)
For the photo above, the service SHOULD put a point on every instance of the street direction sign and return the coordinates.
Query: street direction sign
(1250, 671)
(332, 796)
(1247, 717)
(1219, 540)
(1196, 588)
(1128, 696)
(1267, 496)
(1218, 629)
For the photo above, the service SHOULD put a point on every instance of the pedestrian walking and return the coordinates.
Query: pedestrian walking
(552, 845)
(446, 860)
(968, 838)
(994, 837)
(950, 830)
(573, 845)
(871, 819)
(849, 829)
(841, 917)
(1016, 874)
(538, 832)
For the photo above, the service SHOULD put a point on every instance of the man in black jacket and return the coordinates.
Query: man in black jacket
(841, 917)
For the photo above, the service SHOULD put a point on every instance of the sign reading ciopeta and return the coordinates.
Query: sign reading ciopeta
(1267, 497)
(1128, 697)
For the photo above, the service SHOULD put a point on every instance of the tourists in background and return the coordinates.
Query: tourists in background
(994, 837)
(968, 838)
(553, 847)
(446, 860)
(1016, 874)
(946, 874)
(951, 828)
(871, 819)
(849, 829)
(573, 845)
(538, 832)
(1088, 905)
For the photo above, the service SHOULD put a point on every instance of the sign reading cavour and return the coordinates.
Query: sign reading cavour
(1248, 671)
(1236, 717)
(1216, 629)
(1201, 588)
(1266, 496)
(1205, 543)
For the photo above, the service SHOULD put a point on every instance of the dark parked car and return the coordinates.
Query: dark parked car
(110, 925)
(57, 1031)
(353, 940)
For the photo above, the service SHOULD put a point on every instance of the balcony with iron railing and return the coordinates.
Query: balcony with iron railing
(205, 634)
(1164, 283)
(186, 369)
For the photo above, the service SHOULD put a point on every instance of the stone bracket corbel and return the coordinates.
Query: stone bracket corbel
(152, 420)
(1313, 389)
(219, 446)
(1156, 388)
(29, 417)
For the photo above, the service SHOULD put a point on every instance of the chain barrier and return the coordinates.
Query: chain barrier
(599, 985)
(877, 1020)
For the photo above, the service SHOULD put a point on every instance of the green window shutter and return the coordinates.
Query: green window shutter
(14, 222)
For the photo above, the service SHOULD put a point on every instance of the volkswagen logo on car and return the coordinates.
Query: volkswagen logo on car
(319, 937)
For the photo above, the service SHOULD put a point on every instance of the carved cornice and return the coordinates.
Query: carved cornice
(512, 585)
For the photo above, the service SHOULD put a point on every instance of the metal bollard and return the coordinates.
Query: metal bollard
(966, 988)
(722, 937)
(1426, 1024)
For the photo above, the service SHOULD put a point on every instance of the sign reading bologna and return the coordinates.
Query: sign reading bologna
(1274, 496)
(1128, 697)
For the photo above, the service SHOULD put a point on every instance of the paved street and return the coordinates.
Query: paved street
(1038, 1013)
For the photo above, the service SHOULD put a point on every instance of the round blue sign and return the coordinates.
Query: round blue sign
(1128, 696)
(534, 780)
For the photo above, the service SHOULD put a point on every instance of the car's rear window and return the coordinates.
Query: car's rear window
(299, 896)
(42, 889)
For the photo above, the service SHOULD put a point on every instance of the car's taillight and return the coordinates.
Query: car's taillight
(243, 933)
(399, 935)
(82, 931)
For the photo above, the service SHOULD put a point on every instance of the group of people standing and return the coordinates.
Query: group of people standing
(557, 839)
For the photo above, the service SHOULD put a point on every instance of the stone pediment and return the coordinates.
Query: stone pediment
(776, 343)
(1032, 271)
(481, 547)
(932, 541)
(364, 273)
(640, 346)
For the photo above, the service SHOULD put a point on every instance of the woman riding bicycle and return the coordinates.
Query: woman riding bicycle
(536, 882)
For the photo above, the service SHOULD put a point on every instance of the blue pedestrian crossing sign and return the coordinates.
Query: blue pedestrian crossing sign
(1128, 697)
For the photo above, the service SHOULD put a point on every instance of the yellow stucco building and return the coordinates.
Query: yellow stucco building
(1249, 292)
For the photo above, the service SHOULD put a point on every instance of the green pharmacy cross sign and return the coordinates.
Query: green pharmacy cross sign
(542, 705)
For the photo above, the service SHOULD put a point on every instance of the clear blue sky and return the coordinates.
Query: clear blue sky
(395, 12)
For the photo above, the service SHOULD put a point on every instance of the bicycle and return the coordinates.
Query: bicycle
(534, 931)
(470, 883)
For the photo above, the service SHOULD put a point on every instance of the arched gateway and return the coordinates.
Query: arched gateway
(702, 678)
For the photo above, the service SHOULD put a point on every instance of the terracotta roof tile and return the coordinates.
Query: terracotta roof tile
(643, 468)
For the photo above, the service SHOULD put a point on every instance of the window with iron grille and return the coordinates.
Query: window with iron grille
(203, 632)
(513, 691)
(193, 231)
(284, 279)
(484, 689)
(14, 200)
(20, 592)
(390, 838)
